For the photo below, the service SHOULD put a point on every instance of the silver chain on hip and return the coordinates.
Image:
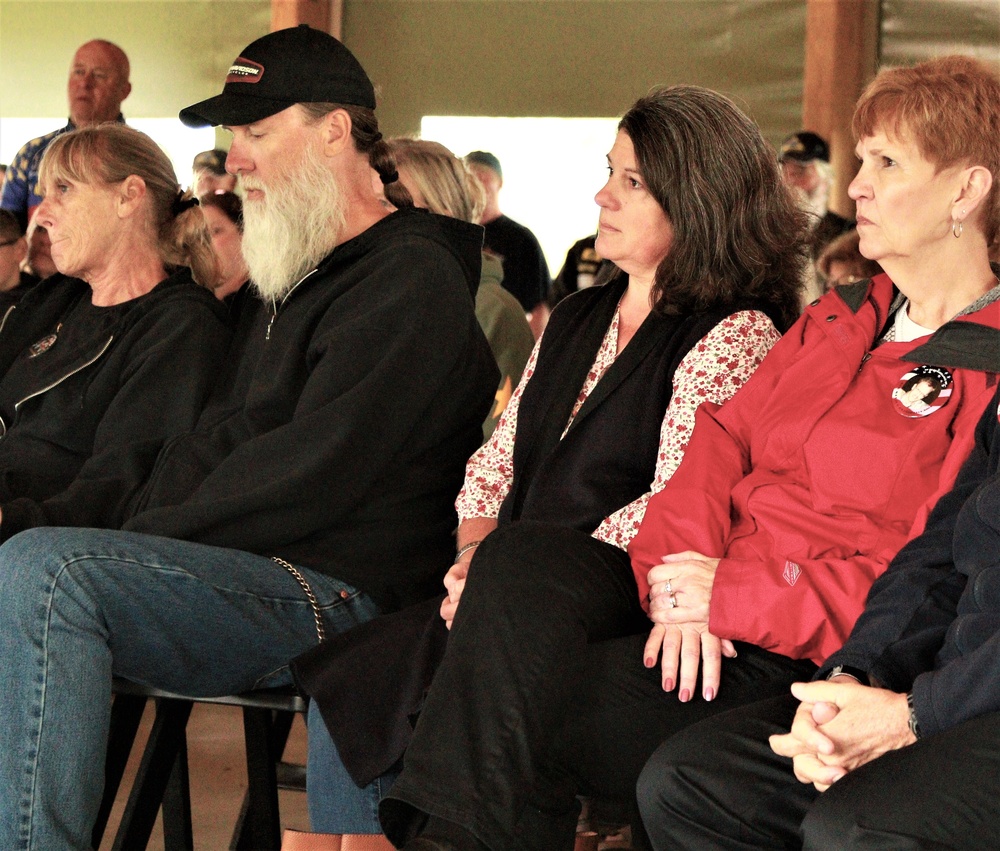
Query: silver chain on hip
(313, 603)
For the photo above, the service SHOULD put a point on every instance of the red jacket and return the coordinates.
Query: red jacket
(810, 479)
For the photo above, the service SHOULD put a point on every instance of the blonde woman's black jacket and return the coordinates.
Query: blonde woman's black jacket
(84, 388)
(339, 439)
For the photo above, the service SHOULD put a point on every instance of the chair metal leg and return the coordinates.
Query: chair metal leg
(126, 715)
(162, 778)
(259, 825)
(178, 834)
(166, 741)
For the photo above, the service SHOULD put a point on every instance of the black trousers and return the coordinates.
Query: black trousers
(542, 693)
(718, 785)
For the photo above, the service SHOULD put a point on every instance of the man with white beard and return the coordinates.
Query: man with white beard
(317, 490)
(805, 165)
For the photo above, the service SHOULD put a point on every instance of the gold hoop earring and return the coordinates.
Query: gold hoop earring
(956, 228)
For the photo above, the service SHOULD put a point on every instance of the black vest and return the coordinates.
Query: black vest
(608, 457)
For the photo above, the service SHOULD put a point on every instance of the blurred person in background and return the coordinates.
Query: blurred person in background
(525, 272)
(208, 174)
(223, 213)
(842, 262)
(14, 282)
(39, 259)
(98, 83)
(805, 165)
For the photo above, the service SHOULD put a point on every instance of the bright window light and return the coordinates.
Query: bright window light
(181, 143)
(552, 168)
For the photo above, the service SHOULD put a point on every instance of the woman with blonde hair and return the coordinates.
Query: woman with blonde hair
(440, 182)
(117, 351)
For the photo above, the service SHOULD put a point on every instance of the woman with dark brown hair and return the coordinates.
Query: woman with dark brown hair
(752, 562)
(606, 405)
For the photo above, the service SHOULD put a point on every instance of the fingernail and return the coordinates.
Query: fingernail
(649, 661)
(684, 696)
(668, 684)
(709, 694)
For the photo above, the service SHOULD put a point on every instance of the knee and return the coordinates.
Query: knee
(662, 790)
(829, 823)
(537, 557)
(19, 560)
(33, 565)
(507, 561)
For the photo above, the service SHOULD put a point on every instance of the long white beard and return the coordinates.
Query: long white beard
(296, 223)
(815, 204)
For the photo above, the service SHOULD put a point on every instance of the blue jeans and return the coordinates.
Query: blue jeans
(336, 803)
(80, 606)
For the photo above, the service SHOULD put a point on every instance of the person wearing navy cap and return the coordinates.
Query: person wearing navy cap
(317, 489)
(209, 175)
(805, 164)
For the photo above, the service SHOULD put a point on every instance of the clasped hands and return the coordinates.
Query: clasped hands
(680, 590)
(839, 726)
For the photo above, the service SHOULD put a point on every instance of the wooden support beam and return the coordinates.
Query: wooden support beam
(842, 44)
(324, 15)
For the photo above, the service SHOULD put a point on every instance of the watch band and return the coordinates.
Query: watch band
(914, 724)
(848, 671)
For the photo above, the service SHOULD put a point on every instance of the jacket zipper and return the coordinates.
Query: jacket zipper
(58, 381)
(277, 307)
(7, 313)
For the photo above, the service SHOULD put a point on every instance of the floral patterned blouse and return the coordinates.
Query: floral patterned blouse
(713, 370)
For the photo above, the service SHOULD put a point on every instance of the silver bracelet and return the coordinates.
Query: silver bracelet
(470, 546)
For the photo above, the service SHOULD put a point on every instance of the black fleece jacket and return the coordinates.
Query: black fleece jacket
(339, 438)
(99, 384)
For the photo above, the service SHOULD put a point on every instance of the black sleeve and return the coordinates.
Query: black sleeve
(959, 691)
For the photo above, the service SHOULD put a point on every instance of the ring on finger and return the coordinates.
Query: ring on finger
(673, 600)
(667, 587)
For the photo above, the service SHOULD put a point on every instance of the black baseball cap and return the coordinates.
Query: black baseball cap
(296, 65)
(213, 160)
(805, 147)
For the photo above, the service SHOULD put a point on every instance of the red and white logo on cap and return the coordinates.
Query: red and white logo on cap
(245, 71)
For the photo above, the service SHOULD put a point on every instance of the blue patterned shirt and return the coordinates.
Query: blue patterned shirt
(20, 185)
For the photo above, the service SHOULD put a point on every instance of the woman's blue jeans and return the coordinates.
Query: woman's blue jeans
(80, 606)
(336, 803)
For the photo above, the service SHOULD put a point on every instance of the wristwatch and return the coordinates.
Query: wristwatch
(848, 671)
(914, 724)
